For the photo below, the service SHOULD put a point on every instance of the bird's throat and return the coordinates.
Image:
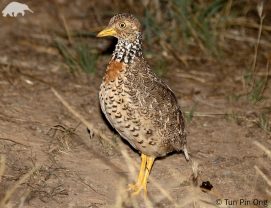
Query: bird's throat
(126, 51)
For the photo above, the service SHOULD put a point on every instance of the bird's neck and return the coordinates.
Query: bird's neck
(127, 51)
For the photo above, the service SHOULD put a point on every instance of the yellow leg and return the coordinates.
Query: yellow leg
(150, 161)
(140, 175)
(143, 184)
(142, 169)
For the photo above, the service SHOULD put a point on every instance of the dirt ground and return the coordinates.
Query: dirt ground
(77, 170)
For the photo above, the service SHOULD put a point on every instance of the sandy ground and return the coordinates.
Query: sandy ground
(76, 170)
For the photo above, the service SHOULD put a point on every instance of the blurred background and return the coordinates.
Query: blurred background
(215, 55)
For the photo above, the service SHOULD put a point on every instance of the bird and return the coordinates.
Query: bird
(138, 104)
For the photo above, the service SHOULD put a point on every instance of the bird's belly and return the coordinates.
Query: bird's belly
(117, 110)
(129, 123)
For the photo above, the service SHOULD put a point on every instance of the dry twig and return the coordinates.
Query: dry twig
(247, 39)
(2, 166)
(15, 142)
(262, 175)
(8, 194)
(268, 152)
(89, 125)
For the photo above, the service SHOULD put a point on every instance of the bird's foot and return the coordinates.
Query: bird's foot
(132, 186)
(137, 188)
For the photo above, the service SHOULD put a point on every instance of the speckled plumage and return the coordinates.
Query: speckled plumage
(136, 102)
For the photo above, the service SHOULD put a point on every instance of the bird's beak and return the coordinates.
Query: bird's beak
(107, 32)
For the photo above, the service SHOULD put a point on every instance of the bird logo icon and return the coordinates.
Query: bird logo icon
(15, 8)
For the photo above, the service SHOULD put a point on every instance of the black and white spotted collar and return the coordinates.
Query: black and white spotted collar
(126, 51)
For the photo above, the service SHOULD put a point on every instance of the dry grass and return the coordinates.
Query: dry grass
(4, 202)
(186, 32)
(2, 166)
(265, 177)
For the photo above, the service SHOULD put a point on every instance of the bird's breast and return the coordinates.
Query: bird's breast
(113, 70)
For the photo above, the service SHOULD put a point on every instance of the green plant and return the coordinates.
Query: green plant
(199, 21)
(68, 57)
(257, 86)
(78, 57)
(152, 28)
(233, 97)
(264, 122)
(86, 60)
(160, 67)
(234, 116)
(255, 95)
(190, 114)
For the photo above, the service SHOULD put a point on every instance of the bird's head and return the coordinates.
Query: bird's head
(122, 26)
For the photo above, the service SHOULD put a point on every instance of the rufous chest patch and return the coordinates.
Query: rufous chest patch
(113, 70)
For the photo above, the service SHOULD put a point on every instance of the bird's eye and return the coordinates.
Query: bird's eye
(122, 25)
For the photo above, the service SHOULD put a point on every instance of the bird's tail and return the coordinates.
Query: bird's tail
(186, 155)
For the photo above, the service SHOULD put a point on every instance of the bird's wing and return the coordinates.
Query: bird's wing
(156, 100)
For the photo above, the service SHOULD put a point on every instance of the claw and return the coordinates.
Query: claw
(132, 187)
(136, 189)
(146, 165)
